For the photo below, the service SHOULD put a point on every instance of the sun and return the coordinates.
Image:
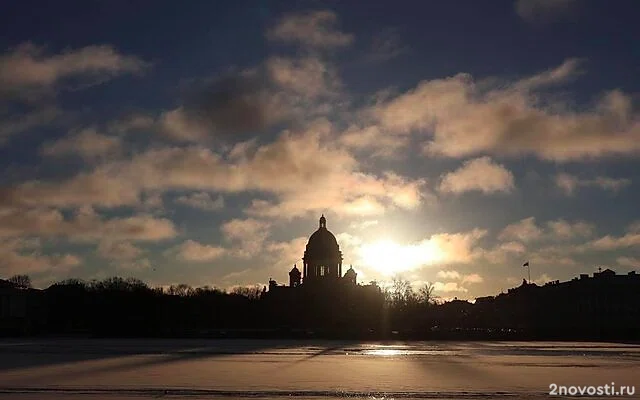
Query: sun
(390, 258)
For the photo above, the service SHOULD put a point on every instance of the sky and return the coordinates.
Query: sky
(199, 142)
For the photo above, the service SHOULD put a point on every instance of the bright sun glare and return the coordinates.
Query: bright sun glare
(389, 258)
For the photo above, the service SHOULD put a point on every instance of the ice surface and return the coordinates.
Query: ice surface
(127, 369)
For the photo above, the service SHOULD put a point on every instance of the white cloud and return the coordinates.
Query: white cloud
(630, 262)
(472, 278)
(457, 117)
(176, 125)
(634, 227)
(449, 287)
(558, 232)
(308, 76)
(28, 67)
(480, 174)
(348, 240)
(513, 247)
(363, 224)
(362, 206)
(134, 265)
(190, 250)
(152, 201)
(87, 143)
(570, 183)
(118, 250)
(462, 279)
(610, 184)
(610, 242)
(448, 274)
(553, 246)
(503, 253)
(315, 29)
(373, 139)
(202, 200)
(123, 255)
(287, 252)
(20, 256)
(246, 229)
(568, 70)
(566, 230)
(542, 279)
(275, 260)
(100, 187)
(455, 247)
(525, 230)
(247, 236)
(85, 225)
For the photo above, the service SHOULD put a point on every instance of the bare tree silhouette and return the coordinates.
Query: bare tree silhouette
(21, 281)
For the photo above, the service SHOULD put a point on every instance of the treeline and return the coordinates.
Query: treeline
(131, 284)
(129, 307)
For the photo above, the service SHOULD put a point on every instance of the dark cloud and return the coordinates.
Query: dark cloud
(233, 104)
(386, 45)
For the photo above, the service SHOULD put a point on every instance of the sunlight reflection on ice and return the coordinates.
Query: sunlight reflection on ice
(385, 352)
(396, 351)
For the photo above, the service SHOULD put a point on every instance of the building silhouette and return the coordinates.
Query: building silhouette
(321, 264)
(319, 295)
(605, 305)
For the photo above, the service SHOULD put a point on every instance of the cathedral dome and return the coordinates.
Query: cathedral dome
(322, 242)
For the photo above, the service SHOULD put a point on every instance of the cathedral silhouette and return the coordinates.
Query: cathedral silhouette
(318, 295)
(321, 263)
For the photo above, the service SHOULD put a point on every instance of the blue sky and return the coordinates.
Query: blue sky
(446, 142)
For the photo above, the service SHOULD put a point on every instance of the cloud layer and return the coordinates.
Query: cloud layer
(459, 117)
(224, 170)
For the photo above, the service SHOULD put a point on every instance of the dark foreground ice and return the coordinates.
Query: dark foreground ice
(199, 369)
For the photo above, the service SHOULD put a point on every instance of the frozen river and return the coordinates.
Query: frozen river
(195, 369)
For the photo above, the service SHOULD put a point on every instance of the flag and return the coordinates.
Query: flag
(526, 264)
